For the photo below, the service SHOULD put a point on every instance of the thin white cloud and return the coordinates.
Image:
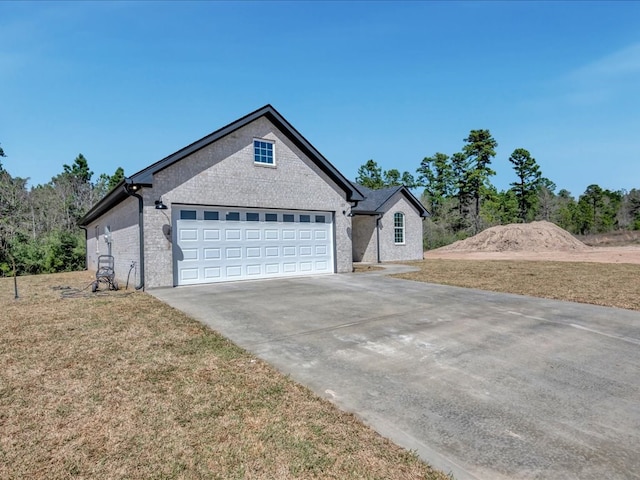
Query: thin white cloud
(620, 64)
(612, 77)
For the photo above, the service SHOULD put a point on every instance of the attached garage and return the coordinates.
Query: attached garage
(252, 200)
(217, 244)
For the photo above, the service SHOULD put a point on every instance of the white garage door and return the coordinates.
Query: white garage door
(221, 244)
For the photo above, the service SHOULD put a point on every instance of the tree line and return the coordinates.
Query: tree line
(458, 192)
(39, 230)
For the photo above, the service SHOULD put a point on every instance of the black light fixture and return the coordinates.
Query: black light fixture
(160, 205)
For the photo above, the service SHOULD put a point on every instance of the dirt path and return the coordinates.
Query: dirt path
(588, 254)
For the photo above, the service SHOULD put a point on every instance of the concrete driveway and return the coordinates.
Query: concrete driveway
(480, 384)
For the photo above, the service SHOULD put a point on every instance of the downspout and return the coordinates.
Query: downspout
(130, 189)
(378, 235)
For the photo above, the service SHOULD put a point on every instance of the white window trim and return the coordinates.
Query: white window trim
(402, 228)
(263, 164)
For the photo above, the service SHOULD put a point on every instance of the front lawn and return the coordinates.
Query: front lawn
(119, 385)
(607, 284)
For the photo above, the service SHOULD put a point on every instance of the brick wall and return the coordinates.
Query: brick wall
(123, 220)
(224, 174)
(364, 239)
(412, 249)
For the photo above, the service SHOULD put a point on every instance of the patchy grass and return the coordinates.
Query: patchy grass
(612, 285)
(119, 385)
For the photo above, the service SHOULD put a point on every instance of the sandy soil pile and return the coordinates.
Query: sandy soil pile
(519, 237)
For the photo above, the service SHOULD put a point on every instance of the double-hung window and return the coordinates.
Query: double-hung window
(398, 228)
(263, 152)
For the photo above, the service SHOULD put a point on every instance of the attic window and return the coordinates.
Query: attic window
(263, 152)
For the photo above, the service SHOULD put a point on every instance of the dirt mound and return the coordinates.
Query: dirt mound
(519, 237)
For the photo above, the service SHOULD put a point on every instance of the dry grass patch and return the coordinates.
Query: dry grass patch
(612, 285)
(365, 267)
(119, 385)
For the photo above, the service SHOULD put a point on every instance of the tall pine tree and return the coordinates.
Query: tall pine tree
(526, 188)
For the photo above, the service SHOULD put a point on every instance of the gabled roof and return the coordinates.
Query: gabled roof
(375, 201)
(145, 176)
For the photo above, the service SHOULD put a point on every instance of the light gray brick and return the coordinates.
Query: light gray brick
(224, 174)
(365, 247)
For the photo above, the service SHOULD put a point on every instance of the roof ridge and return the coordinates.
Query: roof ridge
(145, 176)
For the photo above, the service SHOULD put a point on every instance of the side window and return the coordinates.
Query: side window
(398, 228)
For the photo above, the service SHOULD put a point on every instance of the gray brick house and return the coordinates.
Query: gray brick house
(387, 225)
(252, 200)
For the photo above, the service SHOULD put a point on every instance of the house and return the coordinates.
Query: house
(251, 200)
(387, 225)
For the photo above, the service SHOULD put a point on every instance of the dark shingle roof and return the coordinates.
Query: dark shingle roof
(375, 200)
(145, 176)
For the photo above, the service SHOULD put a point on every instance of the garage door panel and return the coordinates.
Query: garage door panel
(239, 244)
(212, 273)
(210, 234)
(254, 270)
(190, 253)
(189, 234)
(189, 274)
(211, 253)
(234, 271)
(272, 268)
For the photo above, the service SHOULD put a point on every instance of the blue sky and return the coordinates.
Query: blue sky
(128, 83)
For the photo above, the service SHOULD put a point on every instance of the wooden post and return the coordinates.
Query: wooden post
(15, 279)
